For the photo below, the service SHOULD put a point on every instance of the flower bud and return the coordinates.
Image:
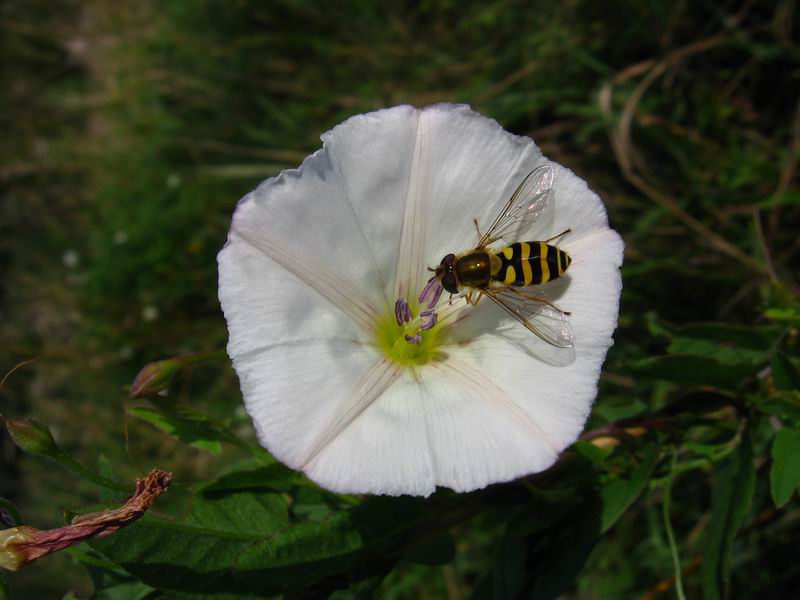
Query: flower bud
(32, 436)
(13, 555)
(154, 377)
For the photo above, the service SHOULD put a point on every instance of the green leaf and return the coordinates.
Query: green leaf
(789, 314)
(785, 405)
(698, 370)
(561, 526)
(243, 502)
(115, 584)
(347, 538)
(617, 495)
(616, 411)
(785, 471)
(725, 343)
(198, 553)
(193, 433)
(238, 539)
(105, 469)
(194, 427)
(733, 484)
(784, 373)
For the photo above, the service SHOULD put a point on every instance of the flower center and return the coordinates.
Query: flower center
(411, 336)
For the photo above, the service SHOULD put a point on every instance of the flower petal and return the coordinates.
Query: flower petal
(296, 355)
(465, 167)
(317, 256)
(440, 429)
(555, 387)
(373, 158)
(302, 224)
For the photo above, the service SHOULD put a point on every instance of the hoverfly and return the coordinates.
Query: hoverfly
(498, 273)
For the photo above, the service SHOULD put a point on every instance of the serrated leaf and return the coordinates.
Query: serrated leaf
(733, 484)
(698, 370)
(240, 502)
(347, 538)
(784, 373)
(233, 547)
(617, 495)
(785, 471)
(192, 555)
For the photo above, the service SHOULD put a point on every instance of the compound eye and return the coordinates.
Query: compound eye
(450, 283)
(448, 260)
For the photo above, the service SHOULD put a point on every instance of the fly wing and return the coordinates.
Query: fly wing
(537, 313)
(527, 204)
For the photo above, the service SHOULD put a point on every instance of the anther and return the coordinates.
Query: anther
(402, 311)
(428, 318)
(431, 292)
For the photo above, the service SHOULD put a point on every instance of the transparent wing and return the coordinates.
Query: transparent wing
(525, 206)
(537, 313)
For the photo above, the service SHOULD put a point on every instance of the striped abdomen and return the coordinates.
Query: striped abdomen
(530, 263)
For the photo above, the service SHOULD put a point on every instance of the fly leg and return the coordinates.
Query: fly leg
(555, 237)
(477, 228)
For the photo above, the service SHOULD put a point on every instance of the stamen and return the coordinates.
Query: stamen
(402, 311)
(428, 318)
(431, 292)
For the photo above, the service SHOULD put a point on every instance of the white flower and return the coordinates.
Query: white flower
(315, 261)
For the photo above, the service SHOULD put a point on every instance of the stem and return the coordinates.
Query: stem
(84, 472)
(676, 562)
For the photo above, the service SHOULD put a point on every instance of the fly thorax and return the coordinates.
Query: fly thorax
(474, 269)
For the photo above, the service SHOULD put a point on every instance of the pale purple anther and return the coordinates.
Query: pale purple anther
(402, 311)
(414, 339)
(428, 318)
(431, 292)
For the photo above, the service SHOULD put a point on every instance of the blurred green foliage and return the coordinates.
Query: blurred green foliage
(132, 128)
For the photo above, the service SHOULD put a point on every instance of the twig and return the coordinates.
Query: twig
(624, 150)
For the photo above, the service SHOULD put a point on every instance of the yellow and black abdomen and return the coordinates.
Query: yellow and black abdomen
(530, 263)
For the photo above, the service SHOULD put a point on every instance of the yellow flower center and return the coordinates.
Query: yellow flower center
(391, 340)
